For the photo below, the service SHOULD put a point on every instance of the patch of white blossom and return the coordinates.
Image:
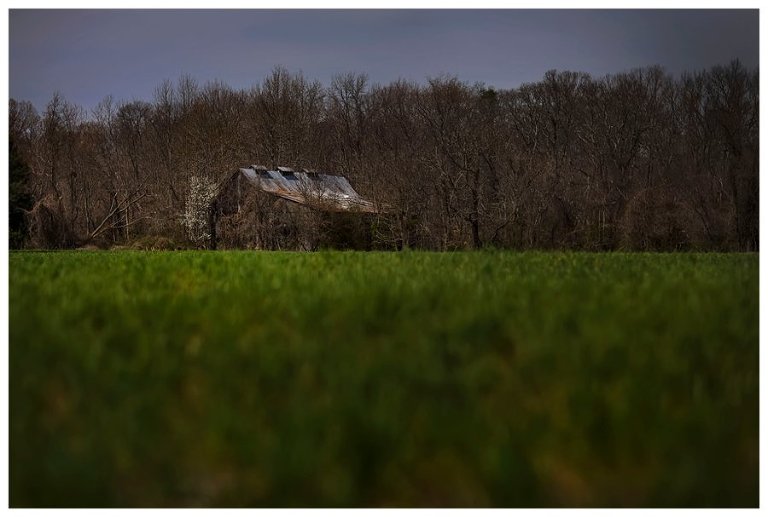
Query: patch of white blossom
(201, 193)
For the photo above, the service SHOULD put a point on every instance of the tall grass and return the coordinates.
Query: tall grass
(382, 379)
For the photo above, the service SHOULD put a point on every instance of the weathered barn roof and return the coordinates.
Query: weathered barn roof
(315, 189)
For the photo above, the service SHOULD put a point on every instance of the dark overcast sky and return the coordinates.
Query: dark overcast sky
(88, 54)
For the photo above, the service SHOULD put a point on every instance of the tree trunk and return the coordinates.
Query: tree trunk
(212, 224)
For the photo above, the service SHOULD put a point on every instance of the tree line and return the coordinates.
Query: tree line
(639, 160)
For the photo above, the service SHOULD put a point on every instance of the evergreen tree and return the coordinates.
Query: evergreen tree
(20, 197)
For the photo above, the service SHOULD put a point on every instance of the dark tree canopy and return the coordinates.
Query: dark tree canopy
(20, 197)
(638, 160)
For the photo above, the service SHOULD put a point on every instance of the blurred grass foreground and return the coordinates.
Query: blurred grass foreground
(383, 379)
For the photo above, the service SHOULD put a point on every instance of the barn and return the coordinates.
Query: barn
(275, 207)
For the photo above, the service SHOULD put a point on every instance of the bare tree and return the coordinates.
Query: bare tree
(636, 160)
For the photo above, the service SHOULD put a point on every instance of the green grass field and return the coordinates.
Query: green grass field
(383, 379)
